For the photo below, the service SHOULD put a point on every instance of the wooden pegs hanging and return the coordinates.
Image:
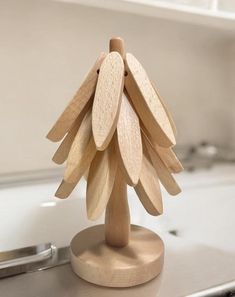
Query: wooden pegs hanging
(147, 103)
(100, 182)
(167, 155)
(105, 110)
(129, 142)
(74, 108)
(148, 189)
(82, 152)
(163, 173)
(168, 113)
(62, 152)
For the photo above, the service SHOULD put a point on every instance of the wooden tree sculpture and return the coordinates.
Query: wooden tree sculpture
(117, 131)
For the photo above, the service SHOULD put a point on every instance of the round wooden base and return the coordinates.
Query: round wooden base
(96, 262)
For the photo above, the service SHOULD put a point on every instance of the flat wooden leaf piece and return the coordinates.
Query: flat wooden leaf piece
(82, 152)
(129, 141)
(68, 117)
(100, 182)
(170, 159)
(148, 189)
(163, 172)
(173, 126)
(107, 99)
(147, 103)
(62, 152)
(65, 189)
(167, 155)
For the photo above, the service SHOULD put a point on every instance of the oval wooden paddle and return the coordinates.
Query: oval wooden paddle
(107, 99)
(82, 152)
(129, 142)
(100, 182)
(163, 172)
(147, 103)
(148, 189)
(69, 115)
(173, 125)
(167, 155)
(62, 152)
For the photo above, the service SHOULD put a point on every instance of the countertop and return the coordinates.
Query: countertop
(188, 268)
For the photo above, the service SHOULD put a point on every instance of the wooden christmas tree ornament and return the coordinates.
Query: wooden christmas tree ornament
(117, 131)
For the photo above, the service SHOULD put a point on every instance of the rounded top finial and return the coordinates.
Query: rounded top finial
(116, 44)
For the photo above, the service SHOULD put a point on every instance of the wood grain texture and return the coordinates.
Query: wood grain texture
(148, 189)
(163, 172)
(107, 99)
(117, 216)
(100, 182)
(83, 95)
(96, 262)
(65, 189)
(116, 44)
(62, 152)
(169, 158)
(129, 142)
(167, 155)
(147, 103)
(170, 117)
(82, 152)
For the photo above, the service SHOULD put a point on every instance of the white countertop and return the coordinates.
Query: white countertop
(188, 268)
(201, 256)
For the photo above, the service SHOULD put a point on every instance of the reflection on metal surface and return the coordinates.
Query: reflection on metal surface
(31, 259)
(223, 290)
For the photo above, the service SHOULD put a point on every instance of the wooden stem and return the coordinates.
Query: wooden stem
(116, 44)
(117, 216)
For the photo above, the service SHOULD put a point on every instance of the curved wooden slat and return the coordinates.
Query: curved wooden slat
(100, 182)
(129, 142)
(147, 103)
(163, 172)
(148, 189)
(173, 125)
(107, 99)
(170, 159)
(62, 152)
(64, 189)
(82, 152)
(83, 95)
(167, 155)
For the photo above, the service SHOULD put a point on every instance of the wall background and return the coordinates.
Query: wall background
(47, 47)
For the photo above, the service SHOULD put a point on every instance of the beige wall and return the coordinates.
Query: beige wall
(47, 47)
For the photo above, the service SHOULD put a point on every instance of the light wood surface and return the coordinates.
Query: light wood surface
(148, 189)
(167, 155)
(117, 136)
(170, 159)
(106, 105)
(101, 264)
(147, 103)
(62, 152)
(116, 44)
(117, 216)
(129, 142)
(100, 182)
(83, 95)
(173, 125)
(82, 152)
(165, 176)
(64, 189)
